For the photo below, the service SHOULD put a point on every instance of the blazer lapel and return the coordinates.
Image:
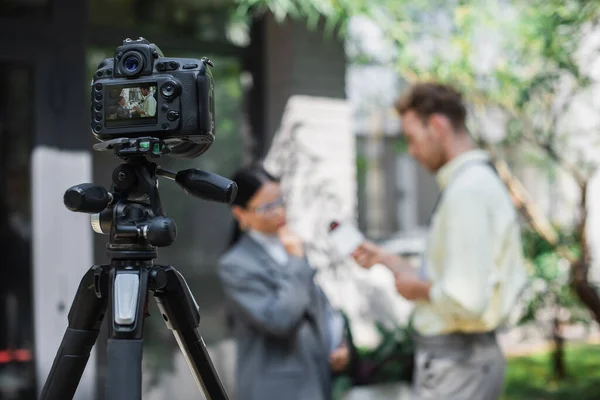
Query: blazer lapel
(260, 253)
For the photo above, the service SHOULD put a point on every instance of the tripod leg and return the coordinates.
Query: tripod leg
(85, 319)
(128, 288)
(180, 312)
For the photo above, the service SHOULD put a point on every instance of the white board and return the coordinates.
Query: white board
(314, 153)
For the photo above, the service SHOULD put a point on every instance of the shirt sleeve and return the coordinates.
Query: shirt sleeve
(467, 258)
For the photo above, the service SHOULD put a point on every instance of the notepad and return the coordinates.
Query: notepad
(345, 238)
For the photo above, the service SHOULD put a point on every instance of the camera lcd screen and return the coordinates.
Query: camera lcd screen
(131, 104)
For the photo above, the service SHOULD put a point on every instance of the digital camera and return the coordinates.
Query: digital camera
(140, 93)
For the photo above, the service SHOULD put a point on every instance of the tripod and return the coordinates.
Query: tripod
(132, 214)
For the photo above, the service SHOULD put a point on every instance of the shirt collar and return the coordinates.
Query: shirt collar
(265, 240)
(448, 170)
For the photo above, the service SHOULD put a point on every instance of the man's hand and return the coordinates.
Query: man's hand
(339, 358)
(407, 281)
(368, 254)
(292, 242)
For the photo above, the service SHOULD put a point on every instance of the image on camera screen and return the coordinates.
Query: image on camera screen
(131, 104)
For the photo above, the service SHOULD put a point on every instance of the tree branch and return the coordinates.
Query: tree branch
(563, 163)
(526, 206)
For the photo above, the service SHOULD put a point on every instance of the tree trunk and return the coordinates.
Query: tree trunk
(525, 205)
(558, 356)
(580, 268)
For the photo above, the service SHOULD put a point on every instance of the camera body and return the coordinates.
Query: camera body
(140, 93)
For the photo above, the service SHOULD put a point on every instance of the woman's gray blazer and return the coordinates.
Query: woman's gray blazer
(280, 325)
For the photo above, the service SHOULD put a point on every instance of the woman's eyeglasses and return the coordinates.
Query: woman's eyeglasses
(270, 206)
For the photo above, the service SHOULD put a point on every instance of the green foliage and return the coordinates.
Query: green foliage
(531, 377)
(391, 361)
(519, 58)
(335, 13)
(533, 48)
(401, 145)
(362, 163)
(204, 20)
(550, 278)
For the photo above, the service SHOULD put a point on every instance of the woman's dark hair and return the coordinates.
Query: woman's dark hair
(249, 180)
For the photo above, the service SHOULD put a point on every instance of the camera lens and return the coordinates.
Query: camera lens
(169, 89)
(132, 63)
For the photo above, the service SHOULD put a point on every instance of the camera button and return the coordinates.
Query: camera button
(98, 86)
(190, 66)
(98, 107)
(173, 65)
(164, 108)
(166, 126)
(172, 115)
(98, 96)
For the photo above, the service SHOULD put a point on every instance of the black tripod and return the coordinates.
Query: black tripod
(133, 216)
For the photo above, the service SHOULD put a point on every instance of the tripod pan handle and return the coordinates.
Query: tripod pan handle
(87, 198)
(207, 186)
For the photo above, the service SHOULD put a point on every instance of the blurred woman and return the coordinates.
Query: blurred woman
(289, 341)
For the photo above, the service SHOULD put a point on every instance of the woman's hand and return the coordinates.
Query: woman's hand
(291, 241)
(339, 358)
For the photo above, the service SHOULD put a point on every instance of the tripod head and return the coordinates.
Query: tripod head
(131, 212)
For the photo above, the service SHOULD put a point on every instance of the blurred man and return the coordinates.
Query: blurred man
(472, 271)
(148, 108)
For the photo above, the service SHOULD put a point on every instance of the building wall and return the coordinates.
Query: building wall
(60, 157)
(298, 62)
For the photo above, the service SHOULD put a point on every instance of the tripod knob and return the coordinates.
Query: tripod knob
(87, 198)
(161, 231)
